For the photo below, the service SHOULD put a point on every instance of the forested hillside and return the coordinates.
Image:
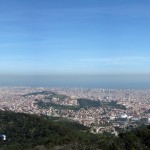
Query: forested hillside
(26, 131)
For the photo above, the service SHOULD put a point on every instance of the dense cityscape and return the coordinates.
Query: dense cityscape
(103, 110)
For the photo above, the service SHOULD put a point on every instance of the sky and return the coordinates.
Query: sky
(62, 37)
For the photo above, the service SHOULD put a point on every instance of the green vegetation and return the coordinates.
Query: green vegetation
(83, 103)
(47, 105)
(55, 95)
(42, 93)
(31, 132)
(90, 103)
(26, 131)
(48, 95)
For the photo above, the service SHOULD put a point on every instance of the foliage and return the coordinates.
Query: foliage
(83, 103)
(32, 132)
(46, 105)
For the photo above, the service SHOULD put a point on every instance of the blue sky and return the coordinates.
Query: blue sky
(74, 37)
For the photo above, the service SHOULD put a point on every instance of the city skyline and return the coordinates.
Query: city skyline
(74, 38)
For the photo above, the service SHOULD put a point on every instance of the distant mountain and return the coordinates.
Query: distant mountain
(31, 132)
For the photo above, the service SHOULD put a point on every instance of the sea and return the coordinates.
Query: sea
(85, 81)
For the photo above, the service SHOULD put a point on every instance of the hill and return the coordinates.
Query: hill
(26, 132)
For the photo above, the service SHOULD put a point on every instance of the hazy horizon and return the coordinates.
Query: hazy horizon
(85, 81)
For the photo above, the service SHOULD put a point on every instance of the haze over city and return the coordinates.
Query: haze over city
(92, 43)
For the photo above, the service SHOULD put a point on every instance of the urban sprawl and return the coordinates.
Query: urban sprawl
(103, 110)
